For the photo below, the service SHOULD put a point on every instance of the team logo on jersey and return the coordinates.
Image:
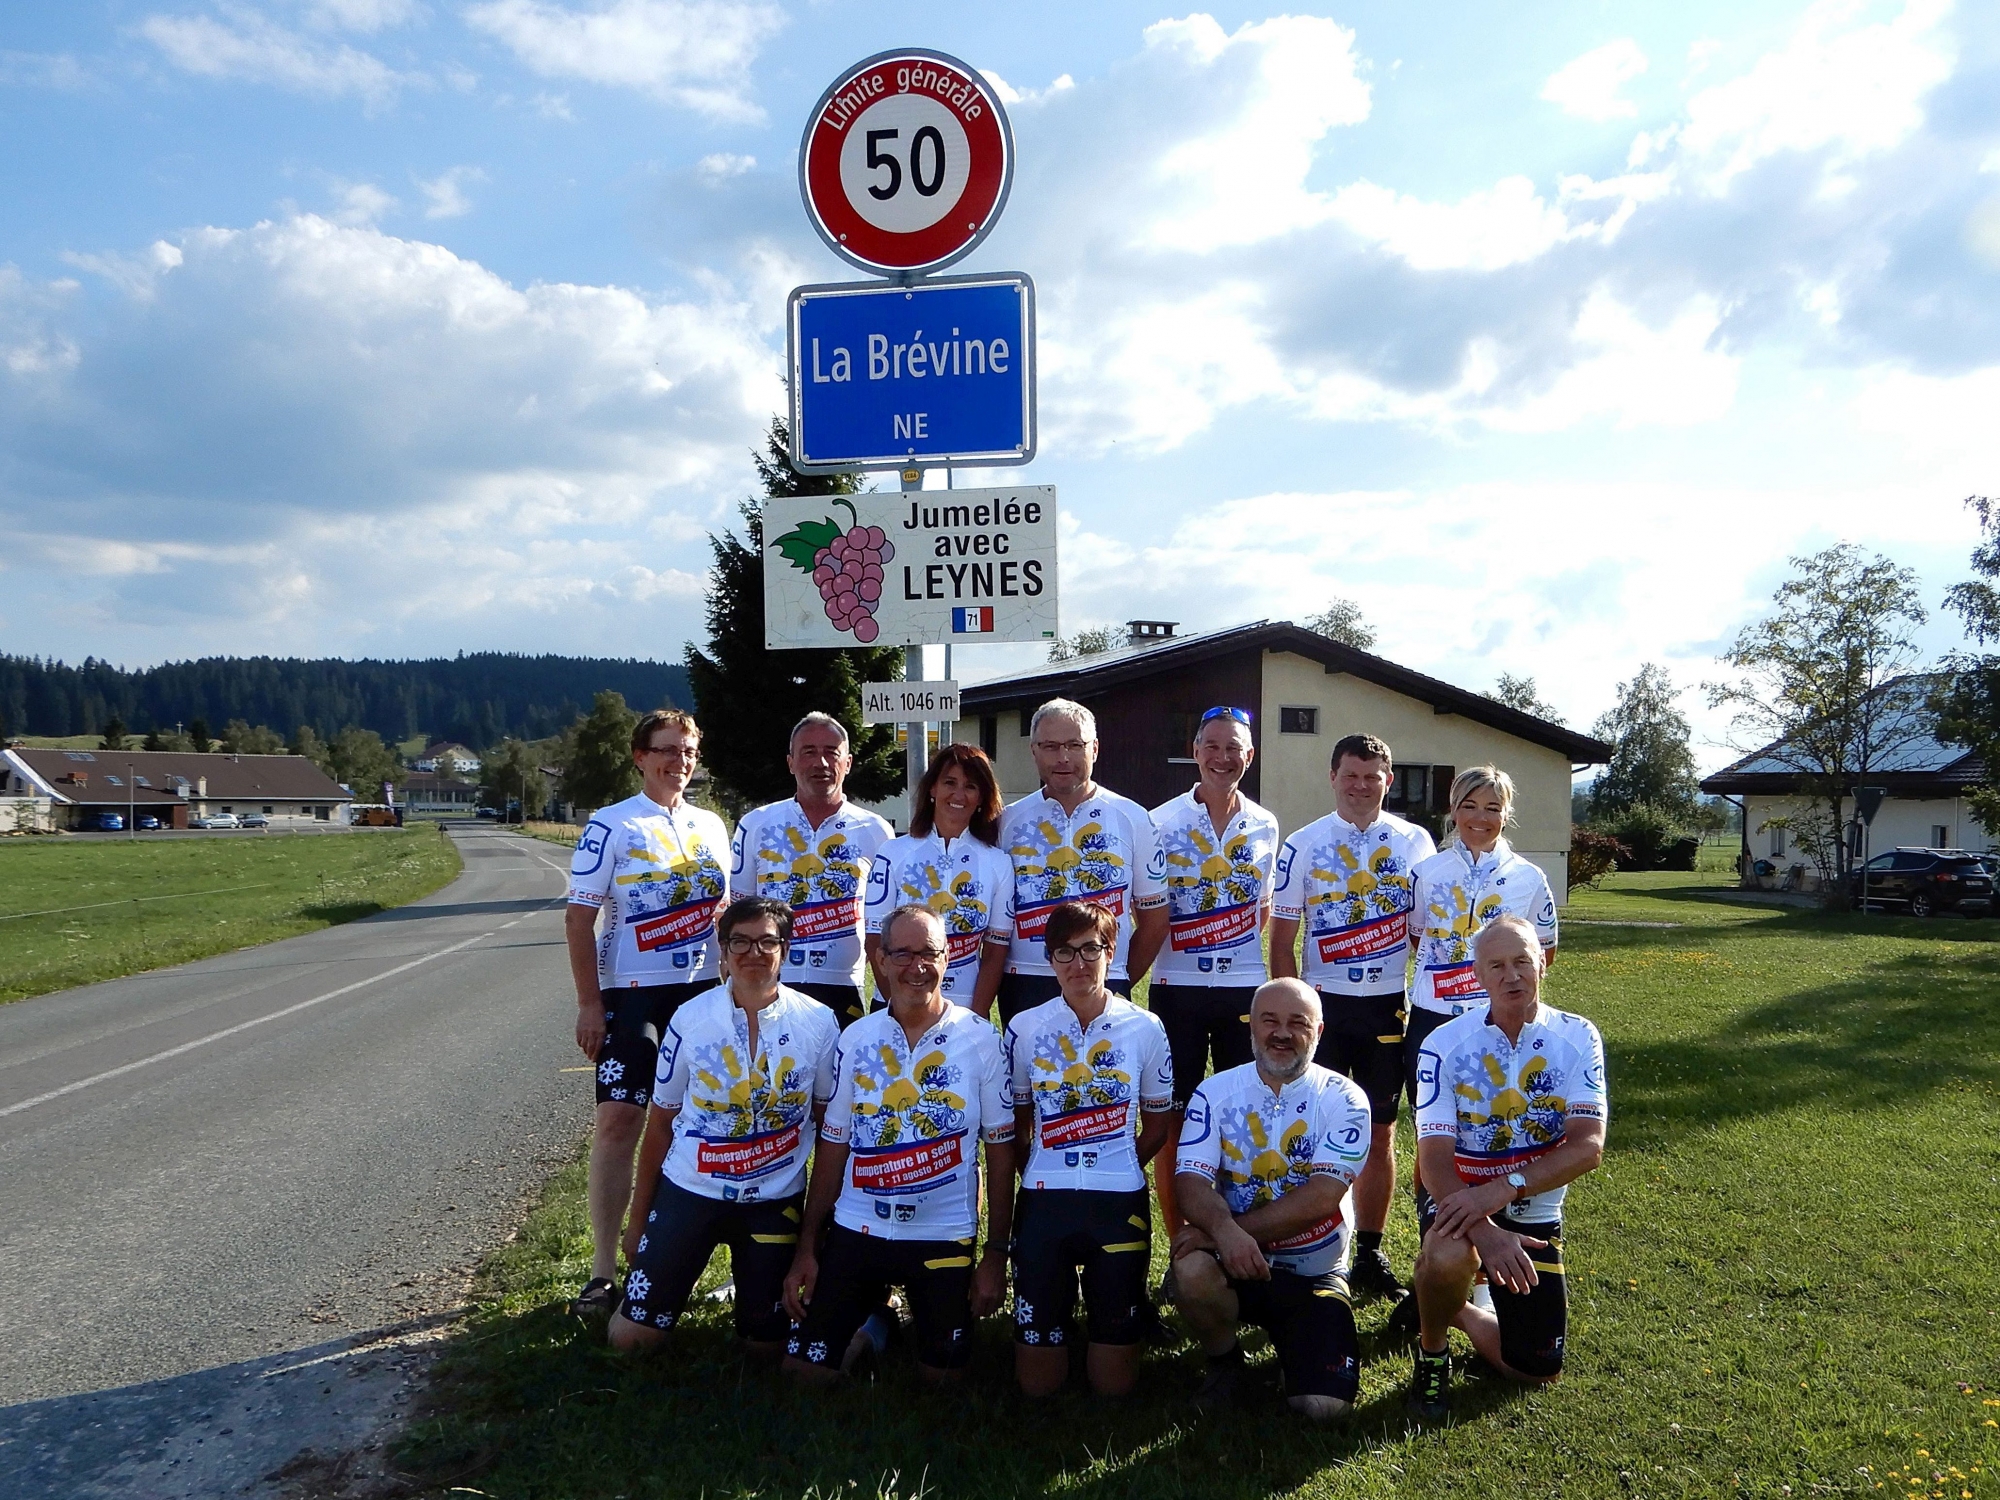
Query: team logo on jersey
(957, 900)
(1079, 1096)
(895, 1104)
(1213, 890)
(746, 1117)
(1503, 1119)
(590, 845)
(1050, 868)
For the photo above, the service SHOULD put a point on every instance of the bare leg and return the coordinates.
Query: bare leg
(1203, 1297)
(1041, 1370)
(1114, 1368)
(611, 1148)
(1163, 1189)
(1445, 1268)
(1483, 1328)
(628, 1337)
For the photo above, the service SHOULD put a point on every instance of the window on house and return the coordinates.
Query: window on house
(1777, 842)
(1419, 789)
(1027, 718)
(1297, 719)
(1940, 836)
(114, 781)
(267, 809)
(989, 734)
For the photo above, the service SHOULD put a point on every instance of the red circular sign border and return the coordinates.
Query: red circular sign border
(886, 252)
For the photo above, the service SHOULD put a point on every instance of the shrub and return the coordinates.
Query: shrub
(1592, 856)
(1648, 834)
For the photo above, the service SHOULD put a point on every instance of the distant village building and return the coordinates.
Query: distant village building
(173, 786)
(448, 757)
(1304, 692)
(440, 793)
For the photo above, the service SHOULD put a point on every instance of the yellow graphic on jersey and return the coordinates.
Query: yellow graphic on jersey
(1505, 1115)
(1380, 888)
(957, 904)
(1064, 1081)
(1450, 927)
(806, 871)
(733, 1101)
(1266, 1170)
(690, 874)
(1201, 877)
(891, 1106)
(1081, 865)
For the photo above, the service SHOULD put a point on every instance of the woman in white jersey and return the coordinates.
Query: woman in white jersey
(1461, 890)
(951, 862)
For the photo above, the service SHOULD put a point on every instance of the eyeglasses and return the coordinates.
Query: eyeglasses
(902, 956)
(1069, 953)
(765, 946)
(1061, 747)
(672, 752)
(1240, 715)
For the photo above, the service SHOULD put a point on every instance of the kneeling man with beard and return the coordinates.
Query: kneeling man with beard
(1267, 1153)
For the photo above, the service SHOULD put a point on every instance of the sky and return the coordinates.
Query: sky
(1547, 333)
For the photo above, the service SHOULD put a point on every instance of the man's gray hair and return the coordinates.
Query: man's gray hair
(1297, 988)
(1511, 923)
(908, 909)
(1084, 719)
(818, 721)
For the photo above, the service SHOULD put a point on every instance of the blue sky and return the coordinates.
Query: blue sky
(408, 326)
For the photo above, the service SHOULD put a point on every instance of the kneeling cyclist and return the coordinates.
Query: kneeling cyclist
(745, 1071)
(1267, 1153)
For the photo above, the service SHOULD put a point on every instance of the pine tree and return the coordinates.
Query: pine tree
(113, 734)
(748, 698)
(601, 770)
(198, 733)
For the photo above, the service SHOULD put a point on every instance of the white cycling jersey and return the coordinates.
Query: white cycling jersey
(743, 1131)
(1457, 894)
(820, 873)
(1087, 1087)
(912, 1119)
(1254, 1146)
(659, 875)
(1501, 1103)
(1104, 854)
(968, 884)
(1349, 888)
(1217, 889)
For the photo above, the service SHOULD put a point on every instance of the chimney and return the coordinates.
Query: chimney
(1149, 632)
(201, 786)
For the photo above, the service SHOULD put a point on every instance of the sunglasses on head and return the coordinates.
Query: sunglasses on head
(1240, 715)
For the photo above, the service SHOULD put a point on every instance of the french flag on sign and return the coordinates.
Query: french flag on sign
(977, 621)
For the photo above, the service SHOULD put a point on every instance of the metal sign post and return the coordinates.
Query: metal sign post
(1867, 802)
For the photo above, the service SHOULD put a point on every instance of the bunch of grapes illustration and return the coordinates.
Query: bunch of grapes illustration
(846, 565)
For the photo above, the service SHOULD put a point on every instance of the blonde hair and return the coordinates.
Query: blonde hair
(1477, 779)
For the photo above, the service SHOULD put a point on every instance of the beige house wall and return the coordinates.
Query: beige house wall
(1295, 784)
(1900, 822)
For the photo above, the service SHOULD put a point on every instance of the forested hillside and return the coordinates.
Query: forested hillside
(476, 700)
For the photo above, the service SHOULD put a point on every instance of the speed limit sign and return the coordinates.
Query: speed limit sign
(906, 162)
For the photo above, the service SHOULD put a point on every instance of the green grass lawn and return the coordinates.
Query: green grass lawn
(1782, 1282)
(78, 911)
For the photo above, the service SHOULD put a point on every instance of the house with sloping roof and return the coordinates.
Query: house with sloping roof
(1927, 782)
(173, 786)
(1304, 693)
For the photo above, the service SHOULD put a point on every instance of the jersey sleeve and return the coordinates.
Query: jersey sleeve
(1340, 1150)
(996, 1112)
(1199, 1153)
(670, 1078)
(879, 904)
(590, 866)
(741, 881)
(1588, 1099)
(840, 1108)
(823, 1067)
(1020, 1094)
(1000, 909)
(1288, 889)
(1437, 1110)
(1156, 1064)
(1149, 860)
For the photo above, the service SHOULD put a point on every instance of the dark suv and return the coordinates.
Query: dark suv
(1924, 882)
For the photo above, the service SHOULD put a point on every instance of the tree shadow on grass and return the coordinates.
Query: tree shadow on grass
(534, 1404)
(1903, 1027)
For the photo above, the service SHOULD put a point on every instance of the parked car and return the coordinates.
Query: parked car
(256, 820)
(1924, 882)
(216, 820)
(147, 820)
(106, 822)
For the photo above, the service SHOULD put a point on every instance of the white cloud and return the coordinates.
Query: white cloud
(695, 53)
(1589, 86)
(446, 192)
(50, 70)
(1842, 83)
(361, 204)
(249, 46)
(136, 275)
(1498, 226)
(361, 15)
(722, 165)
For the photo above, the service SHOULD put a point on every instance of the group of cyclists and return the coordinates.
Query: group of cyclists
(838, 1150)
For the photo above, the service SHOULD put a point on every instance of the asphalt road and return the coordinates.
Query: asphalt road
(210, 1165)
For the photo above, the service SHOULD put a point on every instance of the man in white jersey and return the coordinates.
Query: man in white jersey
(1082, 1070)
(1075, 841)
(1220, 851)
(916, 1088)
(1511, 1109)
(745, 1072)
(813, 852)
(654, 866)
(1267, 1152)
(1346, 877)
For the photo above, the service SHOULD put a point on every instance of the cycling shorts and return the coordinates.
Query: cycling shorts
(1019, 992)
(846, 1001)
(1364, 1040)
(1204, 1022)
(635, 1018)
(1421, 1024)
(682, 1231)
(1108, 1236)
(1311, 1323)
(1533, 1324)
(855, 1274)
